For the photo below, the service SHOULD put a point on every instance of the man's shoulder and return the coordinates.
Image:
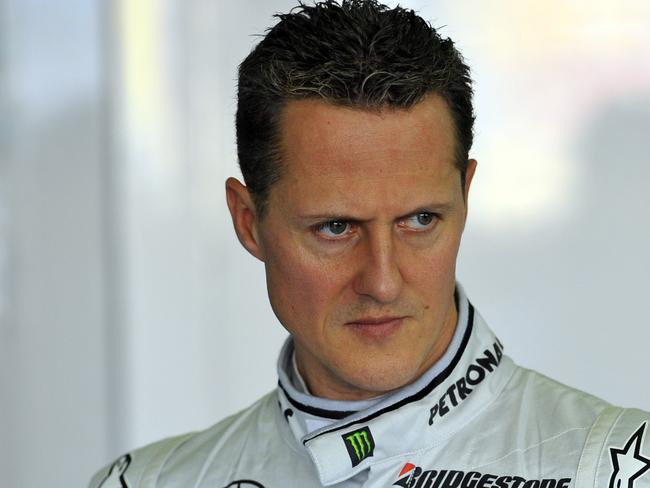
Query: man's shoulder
(616, 453)
(133, 468)
(186, 453)
(541, 396)
(614, 444)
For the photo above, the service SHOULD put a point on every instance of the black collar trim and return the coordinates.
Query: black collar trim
(319, 412)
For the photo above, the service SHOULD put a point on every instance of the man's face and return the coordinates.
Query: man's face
(360, 242)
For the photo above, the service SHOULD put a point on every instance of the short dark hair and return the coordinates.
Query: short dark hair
(356, 53)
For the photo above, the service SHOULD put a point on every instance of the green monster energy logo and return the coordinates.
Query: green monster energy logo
(360, 445)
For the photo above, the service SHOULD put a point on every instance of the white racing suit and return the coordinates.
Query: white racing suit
(474, 420)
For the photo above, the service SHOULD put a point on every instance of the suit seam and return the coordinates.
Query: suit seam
(534, 446)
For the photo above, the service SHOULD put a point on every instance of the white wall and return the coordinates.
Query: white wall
(556, 251)
(55, 407)
(128, 310)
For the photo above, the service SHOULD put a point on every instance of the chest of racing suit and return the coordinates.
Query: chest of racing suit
(474, 420)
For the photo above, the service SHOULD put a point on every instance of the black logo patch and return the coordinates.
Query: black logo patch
(360, 445)
(627, 463)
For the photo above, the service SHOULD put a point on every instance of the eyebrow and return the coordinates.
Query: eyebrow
(437, 207)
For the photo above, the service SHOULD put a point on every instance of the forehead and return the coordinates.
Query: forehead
(365, 164)
(319, 139)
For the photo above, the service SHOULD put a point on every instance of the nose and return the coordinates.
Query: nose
(379, 275)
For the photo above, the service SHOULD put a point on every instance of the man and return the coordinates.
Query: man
(354, 125)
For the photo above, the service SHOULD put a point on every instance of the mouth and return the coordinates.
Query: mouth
(377, 327)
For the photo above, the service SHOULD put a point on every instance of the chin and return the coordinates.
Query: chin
(378, 382)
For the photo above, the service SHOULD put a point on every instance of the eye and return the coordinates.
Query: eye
(333, 229)
(421, 221)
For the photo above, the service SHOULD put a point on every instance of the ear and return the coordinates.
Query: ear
(469, 176)
(244, 216)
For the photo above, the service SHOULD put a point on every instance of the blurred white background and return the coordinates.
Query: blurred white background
(129, 312)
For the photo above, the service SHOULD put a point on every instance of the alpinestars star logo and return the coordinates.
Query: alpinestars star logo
(360, 445)
(628, 463)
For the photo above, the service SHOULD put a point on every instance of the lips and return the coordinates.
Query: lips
(377, 327)
(375, 320)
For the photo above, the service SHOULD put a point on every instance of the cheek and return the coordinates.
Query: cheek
(431, 271)
(303, 291)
